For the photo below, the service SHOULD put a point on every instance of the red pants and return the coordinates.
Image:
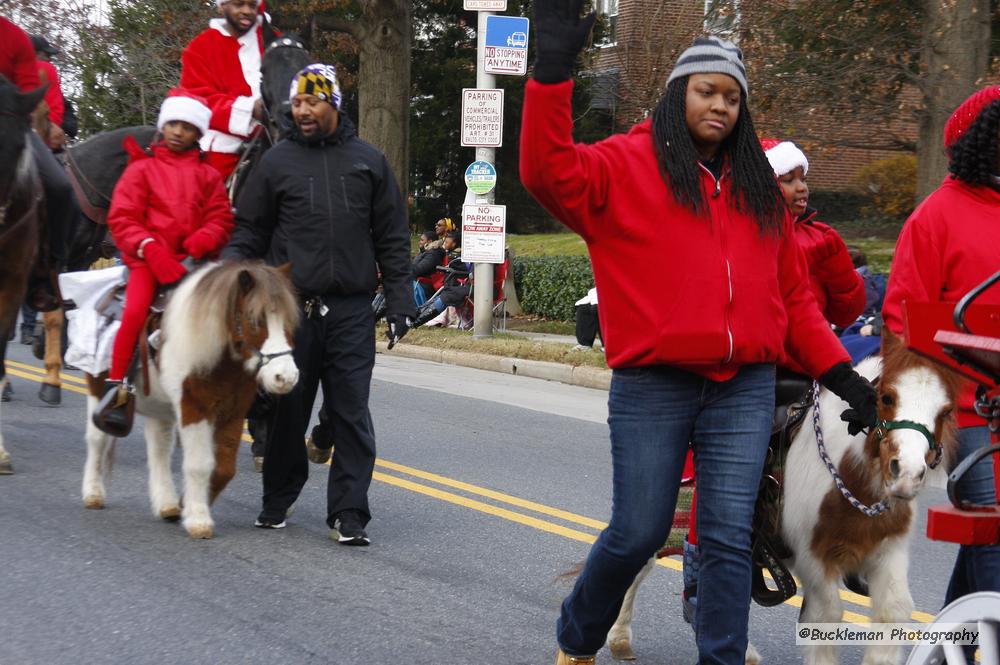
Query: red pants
(224, 162)
(139, 294)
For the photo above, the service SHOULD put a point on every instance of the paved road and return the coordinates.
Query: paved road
(488, 487)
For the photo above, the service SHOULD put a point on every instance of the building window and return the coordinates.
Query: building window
(722, 17)
(608, 9)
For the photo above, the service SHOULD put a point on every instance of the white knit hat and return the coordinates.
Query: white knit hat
(784, 156)
(182, 105)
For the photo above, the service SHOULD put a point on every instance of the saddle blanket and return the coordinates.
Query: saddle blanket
(91, 333)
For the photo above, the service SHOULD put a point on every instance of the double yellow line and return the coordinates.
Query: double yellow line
(566, 529)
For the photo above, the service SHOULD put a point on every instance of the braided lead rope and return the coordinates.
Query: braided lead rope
(876, 509)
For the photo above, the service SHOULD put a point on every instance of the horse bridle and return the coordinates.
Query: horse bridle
(262, 358)
(880, 432)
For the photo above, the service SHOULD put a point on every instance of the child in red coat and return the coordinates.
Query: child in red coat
(166, 206)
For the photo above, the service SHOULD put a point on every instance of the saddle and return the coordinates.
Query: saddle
(792, 400)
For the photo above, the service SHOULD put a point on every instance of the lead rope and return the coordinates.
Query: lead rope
(875, 509)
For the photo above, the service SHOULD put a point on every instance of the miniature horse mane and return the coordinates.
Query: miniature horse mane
(207, 305)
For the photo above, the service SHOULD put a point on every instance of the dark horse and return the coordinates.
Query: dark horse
(21, 213)
(95, 165)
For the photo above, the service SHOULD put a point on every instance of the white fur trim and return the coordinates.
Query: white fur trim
(785, 157)
(241, 116)
(186, 109)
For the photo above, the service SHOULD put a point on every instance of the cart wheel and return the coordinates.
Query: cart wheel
(982, 608)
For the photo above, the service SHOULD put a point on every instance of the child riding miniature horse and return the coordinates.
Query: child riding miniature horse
(169, 204)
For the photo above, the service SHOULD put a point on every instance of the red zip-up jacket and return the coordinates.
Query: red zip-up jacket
(948, 246)
(705, 293)
(17, 56)
(837, 286)
(168, 197)
(54, 95)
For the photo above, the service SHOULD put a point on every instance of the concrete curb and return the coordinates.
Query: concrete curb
(585, 377)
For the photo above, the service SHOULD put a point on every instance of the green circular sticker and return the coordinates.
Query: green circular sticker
(480, 177)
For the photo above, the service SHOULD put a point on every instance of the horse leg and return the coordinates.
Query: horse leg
(890, 594)
(620, 635)
(100, 451)
(227, 445)
(198, 442)
(159, 447)
(821, 604)
(51, 390)
(6, 467)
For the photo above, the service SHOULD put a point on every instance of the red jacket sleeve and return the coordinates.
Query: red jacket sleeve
(569, 180)
(198, 77)
(217, 214)
(53, 96)
(844, 289)
(809, 340)
(129, 202)
(917, 271)
(20, 55)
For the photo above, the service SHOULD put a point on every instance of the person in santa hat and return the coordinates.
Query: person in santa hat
(169, 204)
(947, 247)
(222, 65)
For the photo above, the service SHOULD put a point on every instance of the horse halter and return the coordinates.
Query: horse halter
(262, 358)
(883, 427)
(284, 42)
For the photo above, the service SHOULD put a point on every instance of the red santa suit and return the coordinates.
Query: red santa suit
(225, 71)
(17, 56)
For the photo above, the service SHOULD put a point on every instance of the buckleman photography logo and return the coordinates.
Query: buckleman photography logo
(886, 633)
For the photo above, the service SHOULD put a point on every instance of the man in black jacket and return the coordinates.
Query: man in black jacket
(327, 202)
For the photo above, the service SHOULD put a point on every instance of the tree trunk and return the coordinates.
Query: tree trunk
(384, 83)
(954, 58)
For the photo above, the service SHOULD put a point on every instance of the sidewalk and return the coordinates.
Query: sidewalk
(586, 377)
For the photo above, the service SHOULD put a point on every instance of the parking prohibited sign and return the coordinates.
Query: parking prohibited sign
(484, 233)
(506, 45)
(482, 117)
(485, 5)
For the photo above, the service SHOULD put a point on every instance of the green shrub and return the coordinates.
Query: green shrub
(891, 184)
(550, 285)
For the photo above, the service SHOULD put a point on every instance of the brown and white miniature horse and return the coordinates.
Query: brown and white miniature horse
(830, 537)
(226, 331)
(20, 209)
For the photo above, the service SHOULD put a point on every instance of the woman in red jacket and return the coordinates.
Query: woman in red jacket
(166, 206)
(947, 247)
(701, 284)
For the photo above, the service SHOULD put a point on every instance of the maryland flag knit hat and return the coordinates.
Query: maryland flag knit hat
(318, 80)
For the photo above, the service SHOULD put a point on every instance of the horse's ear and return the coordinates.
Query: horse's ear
(286, 269)
(26, 103)
(246, 282)
(890, 341)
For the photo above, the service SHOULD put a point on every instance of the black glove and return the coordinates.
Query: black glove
(560, 34)
(399, 325)
(854, 389)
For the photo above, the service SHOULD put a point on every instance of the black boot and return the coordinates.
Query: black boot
(116, 410)
(425, 314)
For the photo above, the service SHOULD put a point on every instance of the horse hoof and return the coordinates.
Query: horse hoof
(752, 656)
(8, 390)
(93, 502)
(50, 394)
(200, 532)
(170, 513)
(621, 650)
(6, 468)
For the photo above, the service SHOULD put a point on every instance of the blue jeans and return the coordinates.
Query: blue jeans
(977, 567)
(653, 413)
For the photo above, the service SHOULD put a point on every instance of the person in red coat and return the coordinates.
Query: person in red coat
(165, 207)
(53, 96)
(948, 246)
(703, 287)
(17, 56)
(222, 65)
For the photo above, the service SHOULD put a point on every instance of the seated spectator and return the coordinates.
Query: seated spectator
(456, 286)
(442, 227)
(587, 322)
(427, 278)
(425, 238)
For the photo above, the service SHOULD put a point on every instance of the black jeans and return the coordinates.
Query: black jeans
(587, 324)
(338, 351)
(60, 201)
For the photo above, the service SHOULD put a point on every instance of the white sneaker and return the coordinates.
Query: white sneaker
(581, 347)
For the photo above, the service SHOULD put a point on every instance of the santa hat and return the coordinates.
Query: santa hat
(966, 114)
(183, 105)
(784, 156)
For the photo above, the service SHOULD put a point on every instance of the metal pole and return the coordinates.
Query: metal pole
(483, 272)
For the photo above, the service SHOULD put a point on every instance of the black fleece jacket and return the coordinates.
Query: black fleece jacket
(333, 209)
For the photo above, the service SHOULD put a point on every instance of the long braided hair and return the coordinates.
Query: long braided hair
(755, 188)
(973, 157)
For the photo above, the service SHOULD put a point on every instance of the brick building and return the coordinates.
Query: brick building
(640, 43)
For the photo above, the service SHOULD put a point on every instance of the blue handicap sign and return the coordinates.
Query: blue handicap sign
(507, 31)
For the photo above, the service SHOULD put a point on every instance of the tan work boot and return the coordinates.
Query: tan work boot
(316, 454)
(563, 659)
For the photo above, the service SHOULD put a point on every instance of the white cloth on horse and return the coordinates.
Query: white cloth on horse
(91, 335)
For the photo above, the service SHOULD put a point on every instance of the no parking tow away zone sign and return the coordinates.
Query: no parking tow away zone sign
(506, 45)
(483, 233)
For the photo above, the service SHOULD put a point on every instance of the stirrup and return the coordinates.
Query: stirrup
(116, 410)
(764, 557)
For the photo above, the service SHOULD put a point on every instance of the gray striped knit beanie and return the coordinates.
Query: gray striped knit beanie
(711, 55)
